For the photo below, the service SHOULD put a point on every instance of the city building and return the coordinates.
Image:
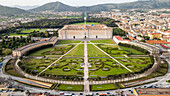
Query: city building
(151, 91)
(155, 35)
(157, 42)
(85, 32)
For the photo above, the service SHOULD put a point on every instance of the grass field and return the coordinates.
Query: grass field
(39, 52)
(135, 64)
(114, 50)
(67, 41)
(70, 87)
(133, 51)
(32, 30)
(94, 52)
(72, 67)
(107, 41)
(104, 63)
(77, 52)
(14, 34)
(56, 50)
(160, 72)
(74, 16)
(36, 65)
(103, 87)
(88, 23)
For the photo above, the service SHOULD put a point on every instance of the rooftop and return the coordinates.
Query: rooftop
(86, 27)
(152, 91)
(157, 42)
(119, 38)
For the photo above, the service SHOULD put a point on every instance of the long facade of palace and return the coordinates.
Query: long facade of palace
(22, 50)
(85, 32)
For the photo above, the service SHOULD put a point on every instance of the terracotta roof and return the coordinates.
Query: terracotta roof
(154, 33)
(126, 40)
(157, 42)
(118, 37)
(131, 38)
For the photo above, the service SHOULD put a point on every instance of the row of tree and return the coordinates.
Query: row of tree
(134, 47)
(9, 44)
(59, 23)
(118, 31)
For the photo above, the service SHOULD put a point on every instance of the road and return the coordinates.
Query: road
(86, 82)
(163, 80)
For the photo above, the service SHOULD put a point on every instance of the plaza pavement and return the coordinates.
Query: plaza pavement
(86, 82)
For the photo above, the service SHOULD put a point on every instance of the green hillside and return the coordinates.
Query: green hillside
(11, 11)
(142, 4)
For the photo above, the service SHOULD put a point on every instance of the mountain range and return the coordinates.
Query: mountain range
(143, 4)
(4, 10)
(58, 6)
(25, 7)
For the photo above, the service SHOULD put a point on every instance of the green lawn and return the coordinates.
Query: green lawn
(77, 52)
(39, 52)
(160, 72)
(32, 30)
(107, 41)
(64, 87)
(94, 52)
(108, 45)
(36, 65)
(133, 51)
(14, 34)
(103, 87)
(135, 64)
(88, 23)
(56, 50)
(74, 16)
(67, 41)
(114, 69)
(71, 64)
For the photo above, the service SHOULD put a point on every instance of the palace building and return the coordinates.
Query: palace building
(85, 32)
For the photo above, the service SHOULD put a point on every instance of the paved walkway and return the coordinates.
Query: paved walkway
(165, 77)
(86, 82)
(111, 57)
(59, 59)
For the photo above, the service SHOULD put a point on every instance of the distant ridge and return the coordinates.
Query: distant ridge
(143, 4)
(25, 7)
(58, 6)
(4, 10)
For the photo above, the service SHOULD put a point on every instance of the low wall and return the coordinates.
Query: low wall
(22, 50)
(146, 73)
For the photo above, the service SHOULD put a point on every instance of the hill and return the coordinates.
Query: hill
(56, 6)
(25, 7)
(11, 11)
(143, 4)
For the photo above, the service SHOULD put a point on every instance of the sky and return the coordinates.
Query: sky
(69, 2)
